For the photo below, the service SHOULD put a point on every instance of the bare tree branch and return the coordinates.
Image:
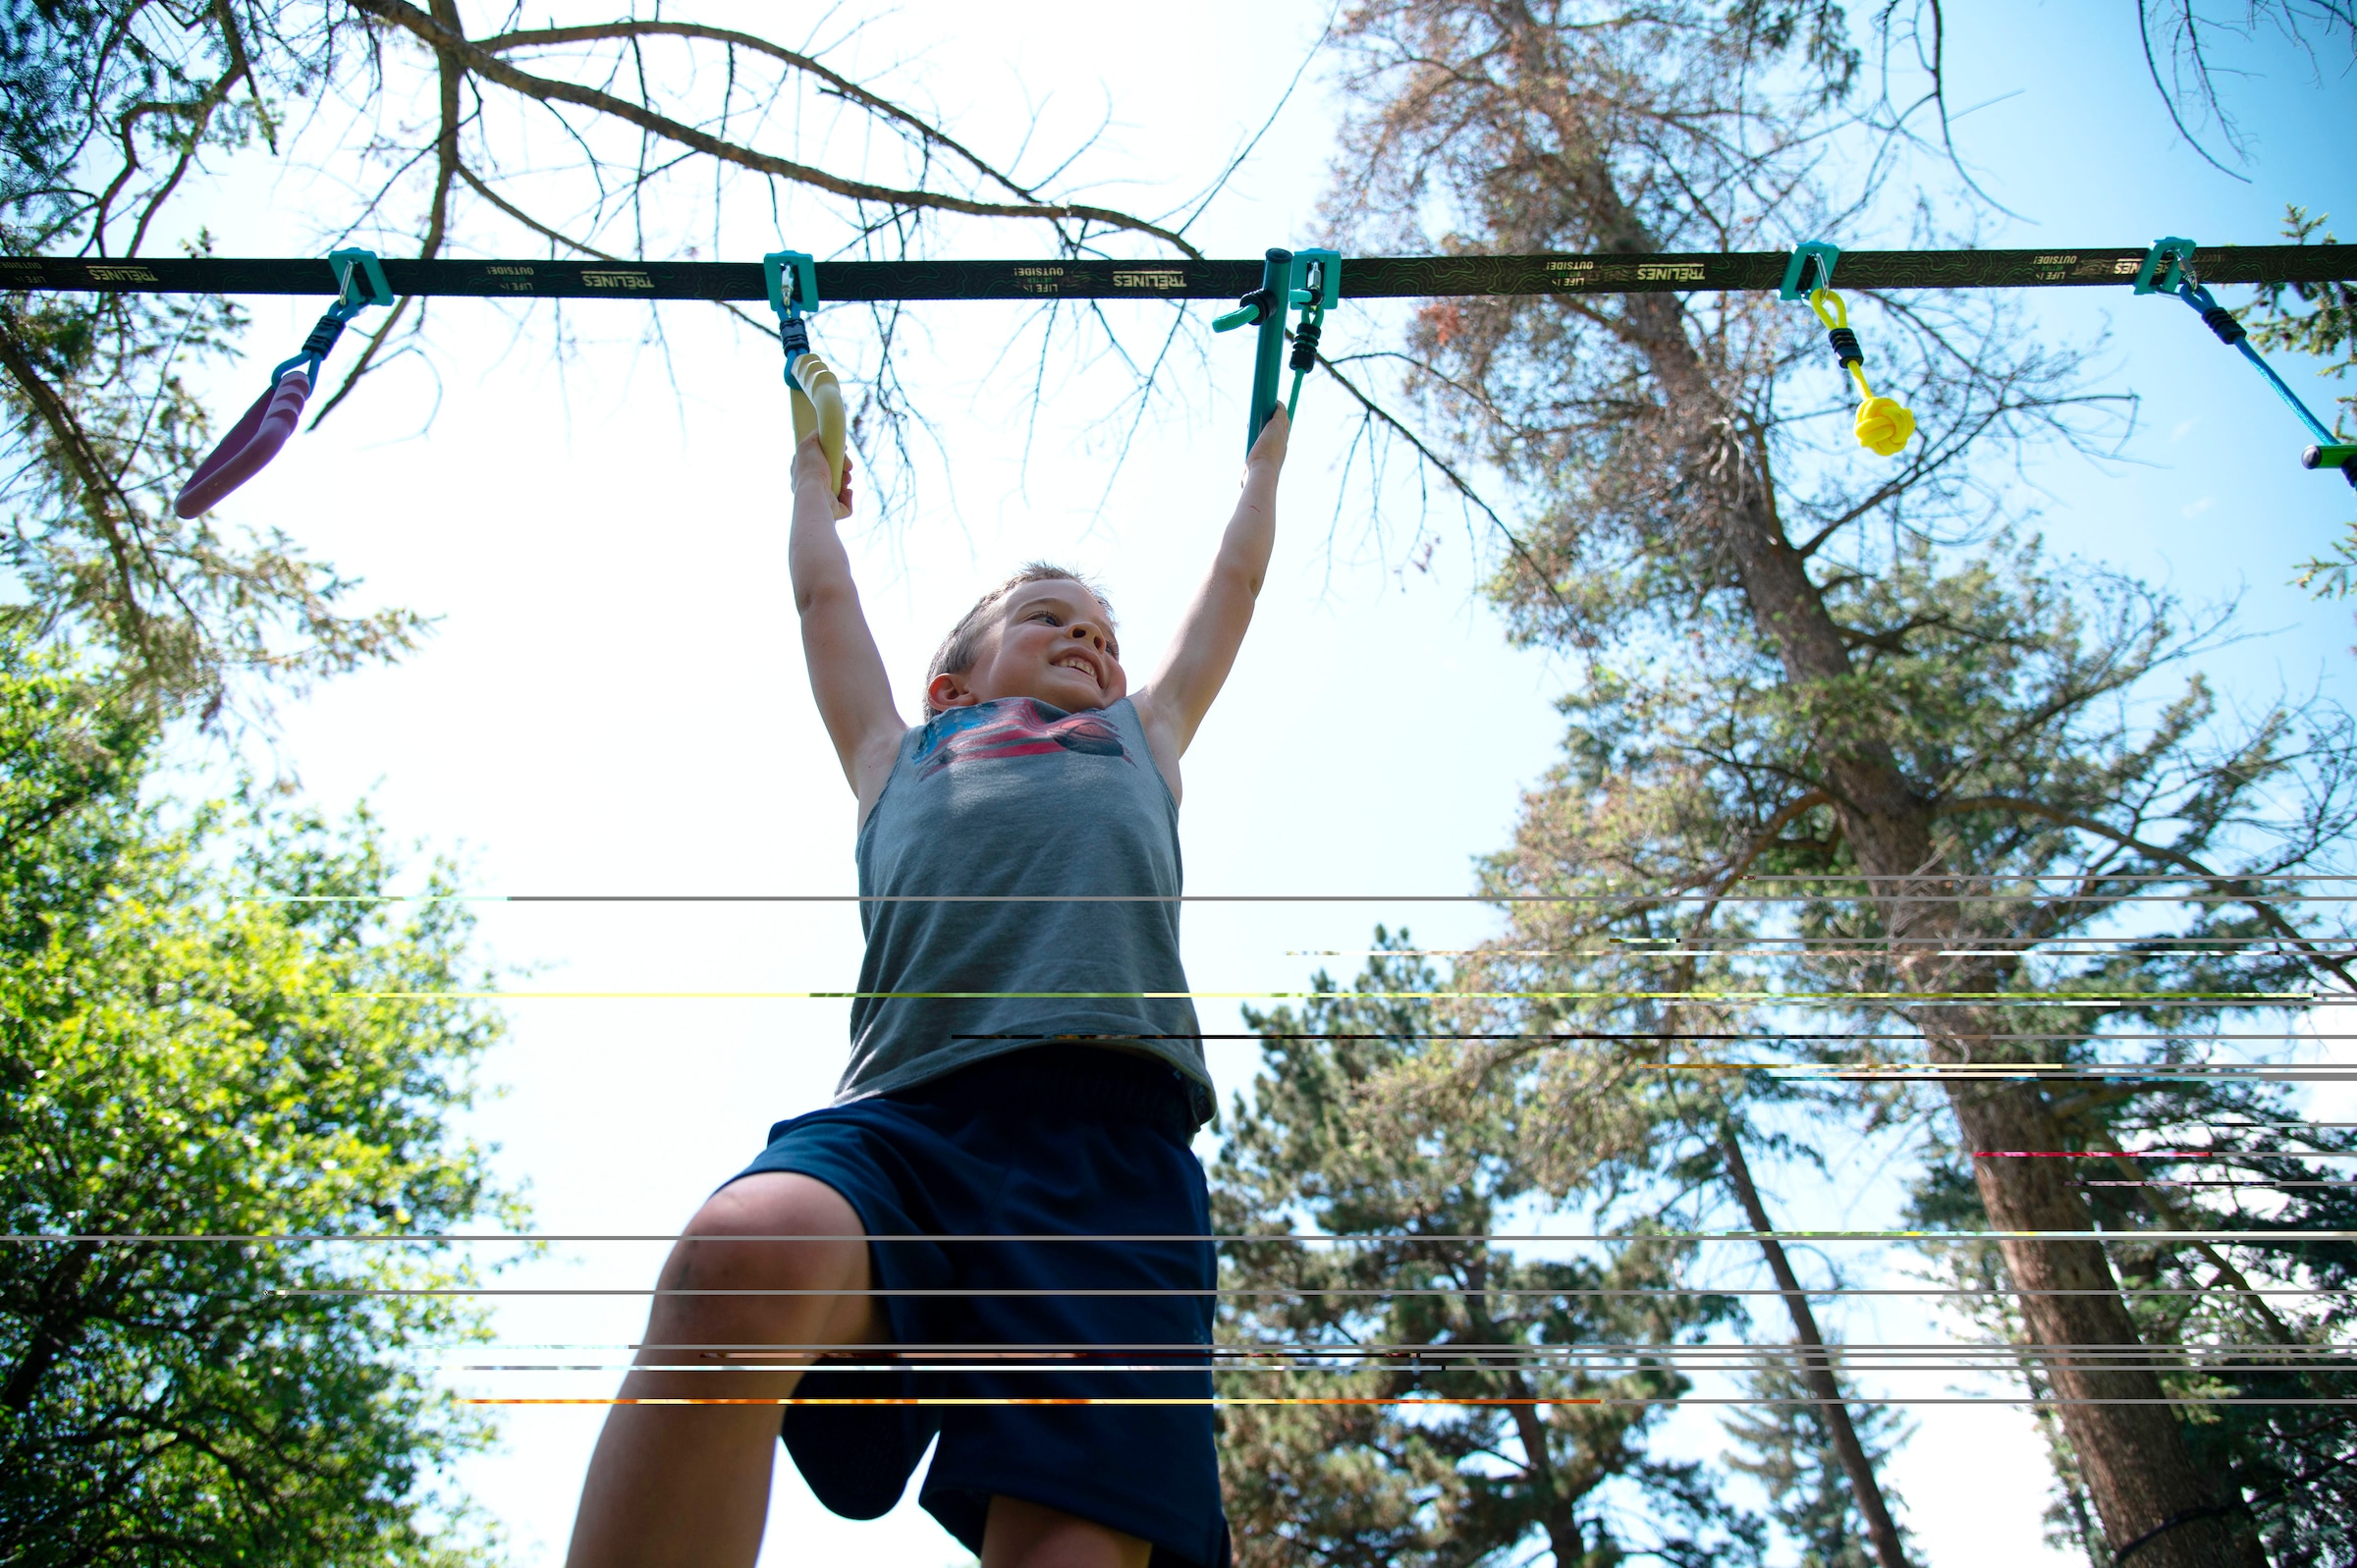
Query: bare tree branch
(926, 131)
(548, 90)
(2221, 881)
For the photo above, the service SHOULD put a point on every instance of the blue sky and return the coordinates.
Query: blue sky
(614, 702)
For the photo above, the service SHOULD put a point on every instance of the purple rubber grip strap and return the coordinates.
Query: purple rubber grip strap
(249, 448)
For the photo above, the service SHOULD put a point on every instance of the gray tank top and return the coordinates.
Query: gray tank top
(1028, 811)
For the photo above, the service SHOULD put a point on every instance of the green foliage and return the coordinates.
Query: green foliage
(35, 96)
(111, 107)
(181, 1058)
(2021, 709)
(1332, 1141)
(2322, 325)
(1797, 667)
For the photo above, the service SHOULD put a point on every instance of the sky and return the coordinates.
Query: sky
(613, 700)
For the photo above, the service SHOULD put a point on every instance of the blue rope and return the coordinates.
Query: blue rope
(2219, 320)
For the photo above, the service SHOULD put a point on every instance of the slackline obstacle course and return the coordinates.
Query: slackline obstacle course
(1286, 296)
(1311, 282)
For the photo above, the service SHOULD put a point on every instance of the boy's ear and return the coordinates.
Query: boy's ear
(947, 691)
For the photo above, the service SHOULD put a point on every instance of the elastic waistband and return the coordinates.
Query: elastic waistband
(1064, 1079)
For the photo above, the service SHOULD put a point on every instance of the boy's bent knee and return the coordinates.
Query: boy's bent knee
(775, 1247)
(777, 1203)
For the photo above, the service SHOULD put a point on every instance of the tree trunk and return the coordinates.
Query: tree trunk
(2153, 1504)
(1816, 1368)
(2129, 1444)
(2132, 1455)
(2138, 1468)
(59, 1313)
(1557, 1512)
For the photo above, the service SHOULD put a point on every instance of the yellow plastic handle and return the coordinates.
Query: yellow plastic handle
(817, 401)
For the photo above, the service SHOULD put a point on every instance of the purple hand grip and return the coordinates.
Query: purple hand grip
(248, 448)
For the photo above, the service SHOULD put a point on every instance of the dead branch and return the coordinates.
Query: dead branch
(546, 90)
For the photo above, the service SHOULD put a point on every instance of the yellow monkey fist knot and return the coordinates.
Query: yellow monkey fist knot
(1883, 426)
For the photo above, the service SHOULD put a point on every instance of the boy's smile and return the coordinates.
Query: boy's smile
(1082, 660)
(1054, 641)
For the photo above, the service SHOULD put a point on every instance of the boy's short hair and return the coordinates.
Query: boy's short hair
(963, 645)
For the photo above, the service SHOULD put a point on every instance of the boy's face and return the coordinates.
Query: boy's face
(1053, 641)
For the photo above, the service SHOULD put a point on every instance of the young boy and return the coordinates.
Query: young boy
(1024, 1065)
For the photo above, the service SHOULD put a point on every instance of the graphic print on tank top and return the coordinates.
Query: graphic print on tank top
(1020, 881)
(1018, 726)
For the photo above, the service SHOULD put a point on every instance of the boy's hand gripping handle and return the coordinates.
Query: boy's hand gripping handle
(1268, 361)
(812, 392)
(816, 399)
(1264, 307)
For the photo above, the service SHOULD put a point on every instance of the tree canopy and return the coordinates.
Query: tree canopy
(1854, 771)
(183, 1064)
(1410, 1301)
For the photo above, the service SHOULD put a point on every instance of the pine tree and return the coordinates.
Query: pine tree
(1557, 1361)
(1959, 767)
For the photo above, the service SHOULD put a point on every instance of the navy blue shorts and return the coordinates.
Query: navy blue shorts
(1052, 1141)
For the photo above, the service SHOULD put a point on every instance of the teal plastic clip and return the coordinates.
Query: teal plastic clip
(2164, 269)
(360, 283)
(1328, 276)
(1312, 281)
(794, 336)
(358, 266)
(1313, 284)
(1810, 269)
(804, 300)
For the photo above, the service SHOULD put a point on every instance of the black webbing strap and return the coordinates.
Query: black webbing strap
(1366, 277)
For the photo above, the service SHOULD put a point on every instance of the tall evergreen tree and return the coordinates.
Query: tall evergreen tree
(1812, 674)
(1546, 1374)
(2250, 1313)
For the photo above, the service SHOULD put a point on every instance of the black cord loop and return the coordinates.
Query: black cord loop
(324, 334)
(1305, 348)
(2221, 321)
(1846, 346)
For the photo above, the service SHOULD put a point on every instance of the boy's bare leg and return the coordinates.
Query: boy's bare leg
(681, 1484)
(1025, 1535)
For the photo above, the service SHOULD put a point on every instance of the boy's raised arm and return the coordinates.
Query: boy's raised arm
(1174, 701)
(847, 673)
